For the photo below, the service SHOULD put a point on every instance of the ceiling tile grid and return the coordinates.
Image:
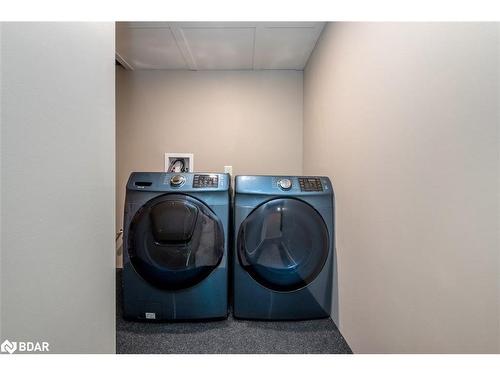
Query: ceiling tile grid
(215, 45)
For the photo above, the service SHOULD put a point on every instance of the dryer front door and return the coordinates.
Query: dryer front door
(175, 241)
(283, 244)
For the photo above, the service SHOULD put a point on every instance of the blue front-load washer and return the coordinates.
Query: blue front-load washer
(175, 246)
(283, 247)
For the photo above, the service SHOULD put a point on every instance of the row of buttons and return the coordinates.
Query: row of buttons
(203, 180)
(310, 184)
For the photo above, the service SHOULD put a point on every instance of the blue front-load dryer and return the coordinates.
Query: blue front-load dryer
(175, 246)
(283, 247)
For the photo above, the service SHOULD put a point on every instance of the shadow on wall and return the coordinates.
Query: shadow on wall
(119, 249)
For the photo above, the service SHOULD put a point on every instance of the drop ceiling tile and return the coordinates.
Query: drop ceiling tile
(149, 48)
(218, 48)
(144, 24)
(216, 45)
(284, 47)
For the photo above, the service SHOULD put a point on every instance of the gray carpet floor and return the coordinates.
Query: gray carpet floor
(227, 336)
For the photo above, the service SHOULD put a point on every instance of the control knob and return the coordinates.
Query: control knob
(177, 180)
(285, 183)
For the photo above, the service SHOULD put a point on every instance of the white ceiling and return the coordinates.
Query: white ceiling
(215, 45)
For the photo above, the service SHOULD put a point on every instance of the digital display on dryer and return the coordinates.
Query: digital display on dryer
(310, 184)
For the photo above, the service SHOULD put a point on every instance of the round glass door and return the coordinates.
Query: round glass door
(175, 241)
(283, 244)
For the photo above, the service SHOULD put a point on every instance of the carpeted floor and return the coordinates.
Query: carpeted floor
(227, 336)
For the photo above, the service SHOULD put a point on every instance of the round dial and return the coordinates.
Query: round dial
(285, 183)
(177, 180)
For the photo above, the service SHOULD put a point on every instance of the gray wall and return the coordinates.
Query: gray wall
(58, 187)
(404, 119)
(1, 168)
(250, 120)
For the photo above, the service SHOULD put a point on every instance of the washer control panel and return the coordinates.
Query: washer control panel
(310, 184)
(205, 181)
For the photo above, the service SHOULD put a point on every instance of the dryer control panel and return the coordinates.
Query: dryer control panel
(310, 184)
(283, 185)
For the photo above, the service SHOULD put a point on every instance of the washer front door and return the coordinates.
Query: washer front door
(283, 244)
(175, 241)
